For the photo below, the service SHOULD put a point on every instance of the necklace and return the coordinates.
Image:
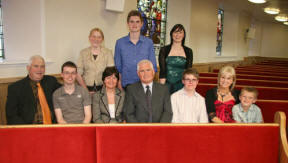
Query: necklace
(222, 95)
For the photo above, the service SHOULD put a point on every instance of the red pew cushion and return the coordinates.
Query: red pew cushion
(48, 145)
(201, 144)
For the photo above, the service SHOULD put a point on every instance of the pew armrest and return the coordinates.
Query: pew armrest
(280, 118)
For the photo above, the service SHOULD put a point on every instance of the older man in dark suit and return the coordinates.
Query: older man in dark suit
(29, 100)
(147, 101)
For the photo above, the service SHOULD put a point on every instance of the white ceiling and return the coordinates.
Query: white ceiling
(257, 10)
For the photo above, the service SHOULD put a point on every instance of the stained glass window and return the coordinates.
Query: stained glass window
(154, 13)
(220, 17)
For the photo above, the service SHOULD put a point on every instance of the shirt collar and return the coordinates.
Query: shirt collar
(184, 92)
(141, 38)
(150, 86)
(63, 93)
(242, 110)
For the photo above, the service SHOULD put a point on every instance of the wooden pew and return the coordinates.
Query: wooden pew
(249, 82)
(245, 76)
(270, 107)
(142, 143)
(257, 73)
(265, 93)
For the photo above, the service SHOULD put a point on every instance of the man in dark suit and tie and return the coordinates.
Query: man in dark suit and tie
(147, 101)
(29, 100)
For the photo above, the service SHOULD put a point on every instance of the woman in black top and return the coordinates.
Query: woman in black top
(174, 59)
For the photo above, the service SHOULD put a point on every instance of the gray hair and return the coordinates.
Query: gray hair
(143, 62)
(34, 57)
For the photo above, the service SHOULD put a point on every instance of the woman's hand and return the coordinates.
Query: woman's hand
(217, 120)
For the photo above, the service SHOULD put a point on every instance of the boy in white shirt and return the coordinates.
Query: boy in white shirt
(188, 106)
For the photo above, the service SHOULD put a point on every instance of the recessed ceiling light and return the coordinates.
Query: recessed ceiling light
(257, 1)
(270, 10)
(281, 18)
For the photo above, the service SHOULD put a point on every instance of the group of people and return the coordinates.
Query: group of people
(122, 89)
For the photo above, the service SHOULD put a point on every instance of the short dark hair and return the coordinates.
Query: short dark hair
(110, 71)
(177, 28)
(190, 71)
(134, 13)
(251, 90)
(69, 64)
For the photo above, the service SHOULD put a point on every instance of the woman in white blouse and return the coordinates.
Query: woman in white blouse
(108, 102)
(93, 61)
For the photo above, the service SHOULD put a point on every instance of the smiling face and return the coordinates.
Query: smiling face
(226, 80)
(190, 82)
(178, 36)
(145, 73)
(247, 98)
(111, 81)
(69, 75)
(95, 38)
(134, 24)
(36, 69)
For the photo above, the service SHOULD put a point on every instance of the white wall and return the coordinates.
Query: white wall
(58, 30)
(274, 40)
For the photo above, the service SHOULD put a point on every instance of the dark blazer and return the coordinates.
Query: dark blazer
(163, 54)
(100, 106)
(21, 105)
(135, 108)
(211, 97)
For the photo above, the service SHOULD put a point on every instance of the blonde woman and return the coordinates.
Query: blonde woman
(93, 61)
(221, 99)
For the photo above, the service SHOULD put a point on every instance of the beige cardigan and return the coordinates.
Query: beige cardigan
(90, 69)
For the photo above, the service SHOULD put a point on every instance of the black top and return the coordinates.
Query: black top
(21, 104)
(164, 52)
(211, 97)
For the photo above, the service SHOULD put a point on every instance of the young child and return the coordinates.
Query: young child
(247, 111)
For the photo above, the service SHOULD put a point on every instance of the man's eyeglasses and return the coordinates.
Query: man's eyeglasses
(191, 80)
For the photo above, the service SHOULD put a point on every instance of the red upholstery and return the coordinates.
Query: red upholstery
(185, 144)
(267, 93)
(48, 145)
(270, 107)
(257, 73)
(264, 83)
(244, 76)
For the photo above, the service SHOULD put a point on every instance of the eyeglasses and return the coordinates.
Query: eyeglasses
(191, 80)
(69, 73)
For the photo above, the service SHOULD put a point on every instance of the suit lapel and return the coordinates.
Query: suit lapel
(155, 96)
(141, 95)
(104, 98)
(117, 99)
(28, 90)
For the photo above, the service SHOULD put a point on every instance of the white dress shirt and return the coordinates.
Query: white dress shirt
(188, 109)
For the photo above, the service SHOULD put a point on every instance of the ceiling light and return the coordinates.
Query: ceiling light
(257, 1)
(286, 23)
(272, 11)
(281, 18)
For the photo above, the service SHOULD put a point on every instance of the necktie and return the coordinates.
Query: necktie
(149, 100)
(44, 106)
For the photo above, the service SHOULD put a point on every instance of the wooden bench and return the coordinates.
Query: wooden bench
(245, 76)
(142, 143)
(251, 72)
(249, 82)
(265, 93)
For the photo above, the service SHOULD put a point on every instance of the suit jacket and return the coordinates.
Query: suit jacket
(21, 105)
(135, 107)
(101, 109)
